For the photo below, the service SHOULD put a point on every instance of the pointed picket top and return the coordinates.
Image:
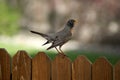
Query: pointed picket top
(21, 66)
(102, 60)
(81, 59)
(117, 64)
(4, 52)
(41, 55)
(21, 53)
(102, 69)
(4, 64)
(41, 67)
(81, 69)
(61, 68)
(62, 58)
(117, 71)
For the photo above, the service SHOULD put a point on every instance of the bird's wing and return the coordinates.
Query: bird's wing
(41, 34)
(59, 41)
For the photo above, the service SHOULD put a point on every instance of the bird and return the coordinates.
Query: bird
(59, 38)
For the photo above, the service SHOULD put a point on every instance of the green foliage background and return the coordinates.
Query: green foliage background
(8, 19)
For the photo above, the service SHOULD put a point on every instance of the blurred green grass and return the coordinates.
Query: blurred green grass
(13, 48)
(92, 56)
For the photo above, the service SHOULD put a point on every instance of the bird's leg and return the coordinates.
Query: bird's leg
(57, 50)
(61, 50)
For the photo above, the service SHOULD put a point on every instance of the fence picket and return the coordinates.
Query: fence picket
(4, 65)
(0, 73)
(41, 66)
(102, 70)
(117, 71)
(81, 69)
(21, 66)
(61, 68)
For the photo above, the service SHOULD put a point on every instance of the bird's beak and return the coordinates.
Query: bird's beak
(76, 21)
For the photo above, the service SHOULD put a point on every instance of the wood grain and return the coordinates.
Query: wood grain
(102, 70)
(61, 68)
(117, 71)
(41, 67)
(81, 69)
(4, 65)
(21, 66)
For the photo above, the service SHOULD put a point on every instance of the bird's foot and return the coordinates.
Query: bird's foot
(63, 55)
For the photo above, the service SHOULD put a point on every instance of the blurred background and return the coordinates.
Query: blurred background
(97, 32)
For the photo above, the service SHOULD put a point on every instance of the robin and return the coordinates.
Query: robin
(59, 38)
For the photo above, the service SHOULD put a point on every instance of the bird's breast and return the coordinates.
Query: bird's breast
(71, 31)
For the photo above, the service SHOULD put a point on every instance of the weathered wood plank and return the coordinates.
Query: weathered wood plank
(81, 69)
(117, 71)
(4, 65)
(41, 67)
(21, 66)
(61, 68)
(0, 73)
(102, 70)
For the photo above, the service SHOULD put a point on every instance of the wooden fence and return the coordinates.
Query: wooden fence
(22, 67)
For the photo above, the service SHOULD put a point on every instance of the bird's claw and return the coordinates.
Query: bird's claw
(63, 55)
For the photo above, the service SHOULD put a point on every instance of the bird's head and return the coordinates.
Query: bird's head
(71, 23)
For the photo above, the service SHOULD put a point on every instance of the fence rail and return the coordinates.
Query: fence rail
(22, 67)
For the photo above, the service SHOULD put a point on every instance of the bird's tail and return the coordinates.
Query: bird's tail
(41, 34)
(45, 43)
(50, 47)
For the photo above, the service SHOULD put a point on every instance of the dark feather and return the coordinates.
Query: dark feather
(46, 43)
(50, 47)
(41, 34)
